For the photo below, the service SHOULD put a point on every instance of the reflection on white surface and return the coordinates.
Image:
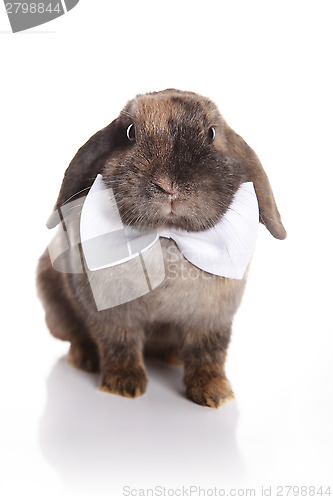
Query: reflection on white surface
(97, 439)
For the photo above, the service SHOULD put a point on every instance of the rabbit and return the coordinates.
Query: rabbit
(166, 149)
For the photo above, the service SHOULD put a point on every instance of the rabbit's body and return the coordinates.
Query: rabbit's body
(189, 315)
(157, 323)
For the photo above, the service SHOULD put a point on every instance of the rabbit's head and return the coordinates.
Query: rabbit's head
(171, 160)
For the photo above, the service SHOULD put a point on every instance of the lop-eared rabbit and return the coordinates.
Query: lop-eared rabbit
(173, 165)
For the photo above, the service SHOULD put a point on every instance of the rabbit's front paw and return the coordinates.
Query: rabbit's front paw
(130, 383)
(213, 392)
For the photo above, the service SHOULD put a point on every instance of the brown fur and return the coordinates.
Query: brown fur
(187, 319)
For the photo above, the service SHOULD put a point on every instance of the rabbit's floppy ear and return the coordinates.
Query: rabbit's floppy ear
(84, 168)
(268, 212)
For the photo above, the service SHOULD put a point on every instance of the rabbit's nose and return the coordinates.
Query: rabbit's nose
(171, 192)
(173, 195)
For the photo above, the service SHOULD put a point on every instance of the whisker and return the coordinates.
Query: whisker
(75, 194)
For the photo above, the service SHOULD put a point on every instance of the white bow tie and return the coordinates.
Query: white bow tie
(224, 250)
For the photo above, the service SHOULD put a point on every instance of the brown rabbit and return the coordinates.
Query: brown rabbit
(171, 161)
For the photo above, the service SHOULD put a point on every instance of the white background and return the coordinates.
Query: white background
(268, 66)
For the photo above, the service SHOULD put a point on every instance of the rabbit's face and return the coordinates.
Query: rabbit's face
(168, 166)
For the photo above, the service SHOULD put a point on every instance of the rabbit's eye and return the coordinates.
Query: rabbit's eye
(211, 133)
(130, 132)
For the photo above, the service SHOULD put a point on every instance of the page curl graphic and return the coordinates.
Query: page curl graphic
(28, 14)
